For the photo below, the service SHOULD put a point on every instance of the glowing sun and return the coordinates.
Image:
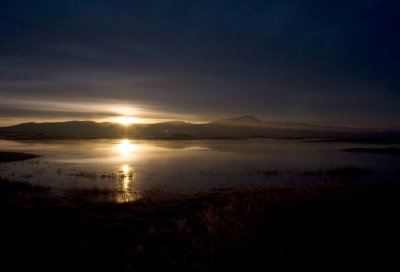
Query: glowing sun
(127, 120)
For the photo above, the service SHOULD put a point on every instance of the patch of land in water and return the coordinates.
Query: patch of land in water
(363, 140)
(6, 156)
(314, 228)
(384, 150)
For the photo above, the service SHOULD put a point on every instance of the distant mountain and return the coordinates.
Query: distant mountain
(67, 129)
(241, 121)
(238, 127)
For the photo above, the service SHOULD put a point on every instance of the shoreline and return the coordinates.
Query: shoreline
(382, 150)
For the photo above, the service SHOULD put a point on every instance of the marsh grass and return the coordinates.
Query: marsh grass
(257, 172)
(315, 228)
(116, 194)
(94, 194)
(119, 175)
(83, 174)
(267, 173)
(13, 187)
(348, 172)
(339, 172)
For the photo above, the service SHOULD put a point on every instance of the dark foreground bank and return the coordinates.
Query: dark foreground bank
(322, 228)
(6, 156)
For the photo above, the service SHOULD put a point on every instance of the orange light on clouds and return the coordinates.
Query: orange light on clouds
(97, 110)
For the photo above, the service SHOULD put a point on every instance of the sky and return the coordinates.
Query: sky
(311, 61)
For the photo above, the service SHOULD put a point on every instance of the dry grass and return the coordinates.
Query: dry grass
(339, 172)
(318, 228)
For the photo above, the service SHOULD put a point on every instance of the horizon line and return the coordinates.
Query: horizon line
(205, 122)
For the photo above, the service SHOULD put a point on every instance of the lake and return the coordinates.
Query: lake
(188, 166)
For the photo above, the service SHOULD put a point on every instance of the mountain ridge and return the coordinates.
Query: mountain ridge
(237, 127)
(241, 120)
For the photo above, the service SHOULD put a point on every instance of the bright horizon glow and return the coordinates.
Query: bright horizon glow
(96, 111)
(127, 120)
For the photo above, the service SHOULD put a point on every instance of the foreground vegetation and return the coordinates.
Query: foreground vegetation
(320, 228)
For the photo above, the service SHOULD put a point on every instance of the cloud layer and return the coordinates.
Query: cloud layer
(310, 61)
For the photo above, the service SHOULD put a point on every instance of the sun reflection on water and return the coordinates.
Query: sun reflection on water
(126, 148)
(127, 151)
(125, 178)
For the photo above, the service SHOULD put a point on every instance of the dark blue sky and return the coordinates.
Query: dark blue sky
(324, 62)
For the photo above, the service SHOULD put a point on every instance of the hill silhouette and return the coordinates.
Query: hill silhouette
(237, 127)
(246, 120)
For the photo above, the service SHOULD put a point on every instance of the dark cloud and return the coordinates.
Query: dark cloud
(312, 61)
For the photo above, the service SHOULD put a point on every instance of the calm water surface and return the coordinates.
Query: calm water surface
(184, 166)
